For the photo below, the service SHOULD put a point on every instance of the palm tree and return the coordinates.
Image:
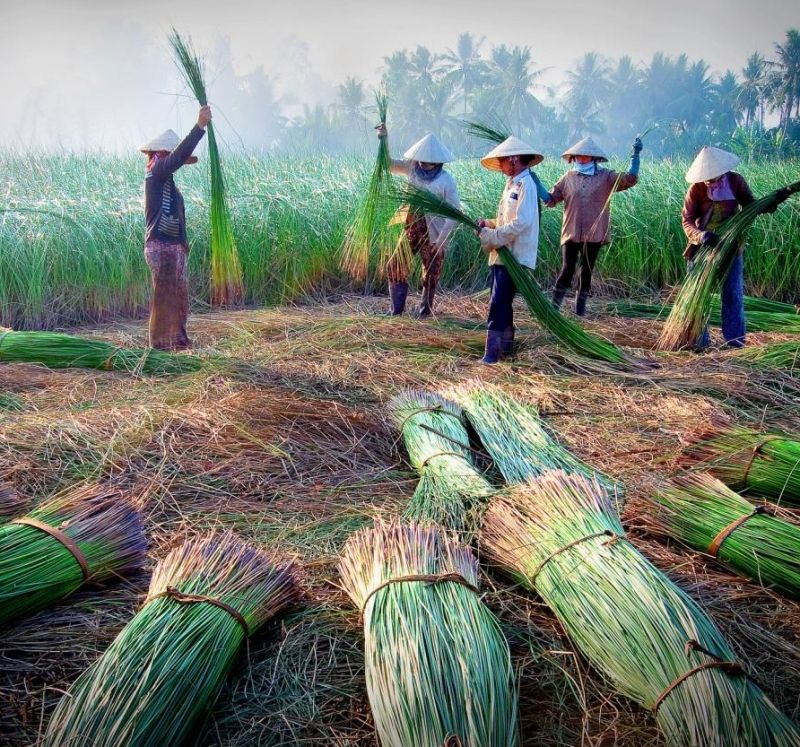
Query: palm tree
(786, 73)
(727, 106)
(587, 94)
(464, 67)
(751, 89)
(350, 97)
(510, 87)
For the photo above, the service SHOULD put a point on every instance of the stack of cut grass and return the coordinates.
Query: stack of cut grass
(767, 465)
(437, 664)
(162, 673)
(11, 503)
(766, 305)
(560, 536)
(56, 350)
(450, 490)
(692, 305)
(227, 284)
(698, 510)
(783, 355)
(566, 330)
(87, 535)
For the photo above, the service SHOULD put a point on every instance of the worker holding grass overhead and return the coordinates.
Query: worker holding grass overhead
(516, 227)
(428, 235)
(166, 248)
(586, 190)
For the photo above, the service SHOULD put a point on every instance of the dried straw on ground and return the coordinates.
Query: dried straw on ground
(11, 502)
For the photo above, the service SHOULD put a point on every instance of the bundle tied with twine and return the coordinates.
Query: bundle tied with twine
(438, 668)
(160, 676)
(701, 512)
(764, 464)
(56, 350)
(692, 305)
(569, 332)
(559, 535)
(227, 284)
(87, 535)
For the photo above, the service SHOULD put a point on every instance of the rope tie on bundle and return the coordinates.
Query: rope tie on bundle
(733, 668)
(59, 536)
(108, 365)
(716, 543)
(430, 579)
(613, 539)
(440, 454)
(183, 598)
(437, 409)
(756, 450)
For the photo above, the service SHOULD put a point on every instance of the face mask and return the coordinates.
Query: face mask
(588, 169)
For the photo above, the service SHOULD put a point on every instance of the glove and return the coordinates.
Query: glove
(637, 145)
(486, 235)
(710, 238)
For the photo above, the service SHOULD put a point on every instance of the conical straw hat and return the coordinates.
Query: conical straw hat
(585, 147)
(710, 163)
(429, 150)
(511, 146)
(168, 141)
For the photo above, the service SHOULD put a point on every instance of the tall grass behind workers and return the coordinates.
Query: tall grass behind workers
(585, 191)
(516, 227)
(166, 247)
(428, 235)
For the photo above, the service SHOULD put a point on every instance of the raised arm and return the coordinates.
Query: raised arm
(397, 166)
(628, 179)
(163, 167)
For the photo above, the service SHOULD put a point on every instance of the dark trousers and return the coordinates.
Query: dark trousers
(570, 253)
(501, 310)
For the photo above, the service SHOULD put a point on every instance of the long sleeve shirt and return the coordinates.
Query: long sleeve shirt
(700, 213)
(164, 212)
(517, 223)
(585, 198)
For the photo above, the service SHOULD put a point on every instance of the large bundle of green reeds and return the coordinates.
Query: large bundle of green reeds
(566, 330)
(56, 350)
(87, 535)
(762, 464)
(438, 669)
(690, 311)
(450, 488)
(161, 674)
(777, 355)
(227, 285)
(699, 510)
(560, 536)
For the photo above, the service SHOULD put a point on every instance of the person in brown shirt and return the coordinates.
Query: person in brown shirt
(585, 191)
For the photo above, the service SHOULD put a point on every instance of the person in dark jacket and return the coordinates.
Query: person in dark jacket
(166, 248)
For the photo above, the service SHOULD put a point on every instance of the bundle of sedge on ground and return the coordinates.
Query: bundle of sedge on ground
(438, 668)
(56, 350)
(87, 535)
(559, 535)
(566, 330)
(692, 305)
(698, 510)
(227, 285)
(766, 465)
(156, 682)
(784, 355)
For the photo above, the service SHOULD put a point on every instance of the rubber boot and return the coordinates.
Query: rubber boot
(508, 340)
(494, 347)
(558, 296)
(426, 304)
(398, 292)
(580, 304)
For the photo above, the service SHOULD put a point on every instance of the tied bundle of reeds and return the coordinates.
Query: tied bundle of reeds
(437, 664)
(560, 536)
(767, 465)
(450, 490)
(161, 674)
(691, 308)
(784, 355)
(698, 510)
(227, 284)
(87, 535)
(566, 330)
(56, 350)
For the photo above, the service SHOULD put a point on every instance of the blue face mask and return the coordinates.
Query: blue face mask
(587, 169)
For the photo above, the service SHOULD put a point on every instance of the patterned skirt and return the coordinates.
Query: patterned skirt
(169, 308)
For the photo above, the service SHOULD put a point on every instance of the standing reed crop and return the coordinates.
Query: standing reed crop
(227, 285)
(162, 673)
(86, 535)
(698, 510)
(560, 536)
(438, 668)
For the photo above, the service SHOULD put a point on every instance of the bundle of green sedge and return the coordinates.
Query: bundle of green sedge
(156, 682)
(560, 536)
(783, 355)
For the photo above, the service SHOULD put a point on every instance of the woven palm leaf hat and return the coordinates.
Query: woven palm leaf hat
(511, 146)
(710, 163)
(585, 147)
(166, 141)
(429, 150)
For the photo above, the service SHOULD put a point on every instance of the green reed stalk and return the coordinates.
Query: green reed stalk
(776, 355)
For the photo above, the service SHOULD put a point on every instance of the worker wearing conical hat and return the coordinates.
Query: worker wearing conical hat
(428, 235)
(585, 191)
(166, 248)
(715, 194)
(515, 227)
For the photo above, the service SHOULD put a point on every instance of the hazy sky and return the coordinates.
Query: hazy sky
(97, 73)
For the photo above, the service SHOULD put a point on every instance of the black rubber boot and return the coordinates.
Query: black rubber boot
(508, 340)
(494, 347)
(398, 292)
(558, 296)
(580, 304)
